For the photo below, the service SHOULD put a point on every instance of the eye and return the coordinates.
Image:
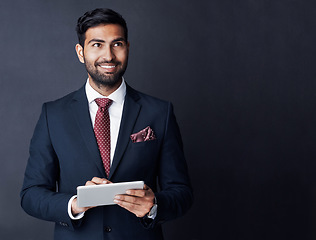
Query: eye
(96, 45)
(118, 44)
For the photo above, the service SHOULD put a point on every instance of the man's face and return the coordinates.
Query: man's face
(105, 54)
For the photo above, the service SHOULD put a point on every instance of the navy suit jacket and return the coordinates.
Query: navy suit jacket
(64, 154)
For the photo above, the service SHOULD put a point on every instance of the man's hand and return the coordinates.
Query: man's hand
(94, 181)
(138, 202)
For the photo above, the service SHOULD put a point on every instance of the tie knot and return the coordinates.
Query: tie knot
(103, 102)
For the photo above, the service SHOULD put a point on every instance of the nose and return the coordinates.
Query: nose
(107, 54)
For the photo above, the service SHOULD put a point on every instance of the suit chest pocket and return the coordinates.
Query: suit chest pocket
(148, 149)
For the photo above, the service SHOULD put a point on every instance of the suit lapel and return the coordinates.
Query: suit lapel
(130, 113)
(80, 110)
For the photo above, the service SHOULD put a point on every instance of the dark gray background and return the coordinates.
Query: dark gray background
(241, 76)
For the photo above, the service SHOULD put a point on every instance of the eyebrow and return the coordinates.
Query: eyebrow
(96, 40)
(102, 41)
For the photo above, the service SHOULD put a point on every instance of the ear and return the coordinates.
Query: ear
(79, 51)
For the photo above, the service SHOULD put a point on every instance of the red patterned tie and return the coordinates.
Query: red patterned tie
(102, 131)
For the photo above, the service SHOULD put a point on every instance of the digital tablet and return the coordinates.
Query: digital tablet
(103, 194)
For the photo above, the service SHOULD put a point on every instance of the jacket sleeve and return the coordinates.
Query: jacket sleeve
(39, 195)
(175, 196)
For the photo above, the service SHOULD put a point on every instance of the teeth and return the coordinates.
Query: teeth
(108, 67)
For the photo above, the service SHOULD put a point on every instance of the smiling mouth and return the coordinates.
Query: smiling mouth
(108, 67)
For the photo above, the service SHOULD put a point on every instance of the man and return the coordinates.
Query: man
(79, 141)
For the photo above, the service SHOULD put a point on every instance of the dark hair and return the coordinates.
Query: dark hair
(96, 17)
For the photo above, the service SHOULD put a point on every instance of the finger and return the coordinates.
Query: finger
(138, 210)
(105, 181)
(98, 180)
(89, 183)
(136, 201)
(128, 199)
(146, 192)
(137, 193)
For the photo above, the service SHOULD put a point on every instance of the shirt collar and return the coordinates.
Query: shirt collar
(117, 96)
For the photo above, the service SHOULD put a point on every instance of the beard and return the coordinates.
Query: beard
(106, 80)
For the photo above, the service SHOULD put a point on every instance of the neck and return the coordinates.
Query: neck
(103, 89)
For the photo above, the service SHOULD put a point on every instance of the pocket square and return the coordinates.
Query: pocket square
(146, 134)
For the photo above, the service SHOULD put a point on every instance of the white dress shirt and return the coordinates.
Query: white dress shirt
(115, 110)
(115, 113)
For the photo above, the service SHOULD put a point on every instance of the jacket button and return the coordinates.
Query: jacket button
(107, 229)
(63, 224)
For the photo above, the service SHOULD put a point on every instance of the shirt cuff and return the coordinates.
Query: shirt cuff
(78, 216)
(153, 212)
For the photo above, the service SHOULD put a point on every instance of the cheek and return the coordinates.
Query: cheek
(89, 61)
(122, 57)
(90, 56)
